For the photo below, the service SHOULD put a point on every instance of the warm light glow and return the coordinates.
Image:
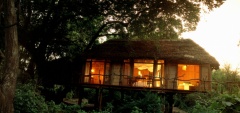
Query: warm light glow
(184, 67)
(186, 86)
(92, 70)
(157, 82)
(143, 66)
(139, 73)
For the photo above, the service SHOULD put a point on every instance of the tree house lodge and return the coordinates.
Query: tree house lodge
(165, 64)
(169, 66)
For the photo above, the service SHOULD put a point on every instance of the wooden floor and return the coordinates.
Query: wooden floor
(160, 90)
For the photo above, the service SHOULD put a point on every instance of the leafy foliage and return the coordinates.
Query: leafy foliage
(226, 80)
(28, 100)
(212, 103)
(147, 103)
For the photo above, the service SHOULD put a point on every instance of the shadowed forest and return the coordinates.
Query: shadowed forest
(41, 44)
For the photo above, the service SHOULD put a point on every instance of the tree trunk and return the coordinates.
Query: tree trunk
(8, 78)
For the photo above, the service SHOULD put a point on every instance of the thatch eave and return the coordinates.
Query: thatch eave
(180, 51)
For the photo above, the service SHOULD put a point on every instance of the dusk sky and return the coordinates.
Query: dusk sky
(219, 33)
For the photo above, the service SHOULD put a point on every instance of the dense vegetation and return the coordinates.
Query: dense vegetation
(52, 34)
(222, 99)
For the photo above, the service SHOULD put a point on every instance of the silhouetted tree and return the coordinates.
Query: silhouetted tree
(10, 70)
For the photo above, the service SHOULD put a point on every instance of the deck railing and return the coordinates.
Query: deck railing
(164, 83)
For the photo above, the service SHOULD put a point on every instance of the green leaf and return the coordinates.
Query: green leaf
(238, 99)
(227, 103)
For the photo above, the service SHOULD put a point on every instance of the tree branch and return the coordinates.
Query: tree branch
(8, 26)
(1, 55)
(94, 37)
(98, 32)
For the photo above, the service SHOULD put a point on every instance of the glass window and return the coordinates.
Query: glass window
(159, 76)
(94, 71)
(107, 73)
(143, 72)
(188, 76)
(87, 68)
(97, 72)
(126, 70)
(87, 72)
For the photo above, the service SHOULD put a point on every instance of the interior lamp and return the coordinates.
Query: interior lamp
(184, 67)
(140, 74)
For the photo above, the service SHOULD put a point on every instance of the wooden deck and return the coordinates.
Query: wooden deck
(156, 89)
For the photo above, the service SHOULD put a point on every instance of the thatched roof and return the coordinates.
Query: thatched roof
(177, 51)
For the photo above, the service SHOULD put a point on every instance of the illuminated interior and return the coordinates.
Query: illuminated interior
(160, 74)
(188, 77)
(99, 72)
(143, 73)
(94, 71)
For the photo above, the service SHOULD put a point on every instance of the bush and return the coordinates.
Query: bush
(211, 103)
(28, 100)
(148, 103)
(226, 80)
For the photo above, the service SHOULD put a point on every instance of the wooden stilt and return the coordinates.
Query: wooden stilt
(122, 94)
(80, 95)
(100, 99)
(169, 104)
(96, 104)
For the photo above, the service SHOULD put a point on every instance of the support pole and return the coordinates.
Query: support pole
(122, 94)
(96, 104)
(169, 104)
(100, 99)
(81, 94)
